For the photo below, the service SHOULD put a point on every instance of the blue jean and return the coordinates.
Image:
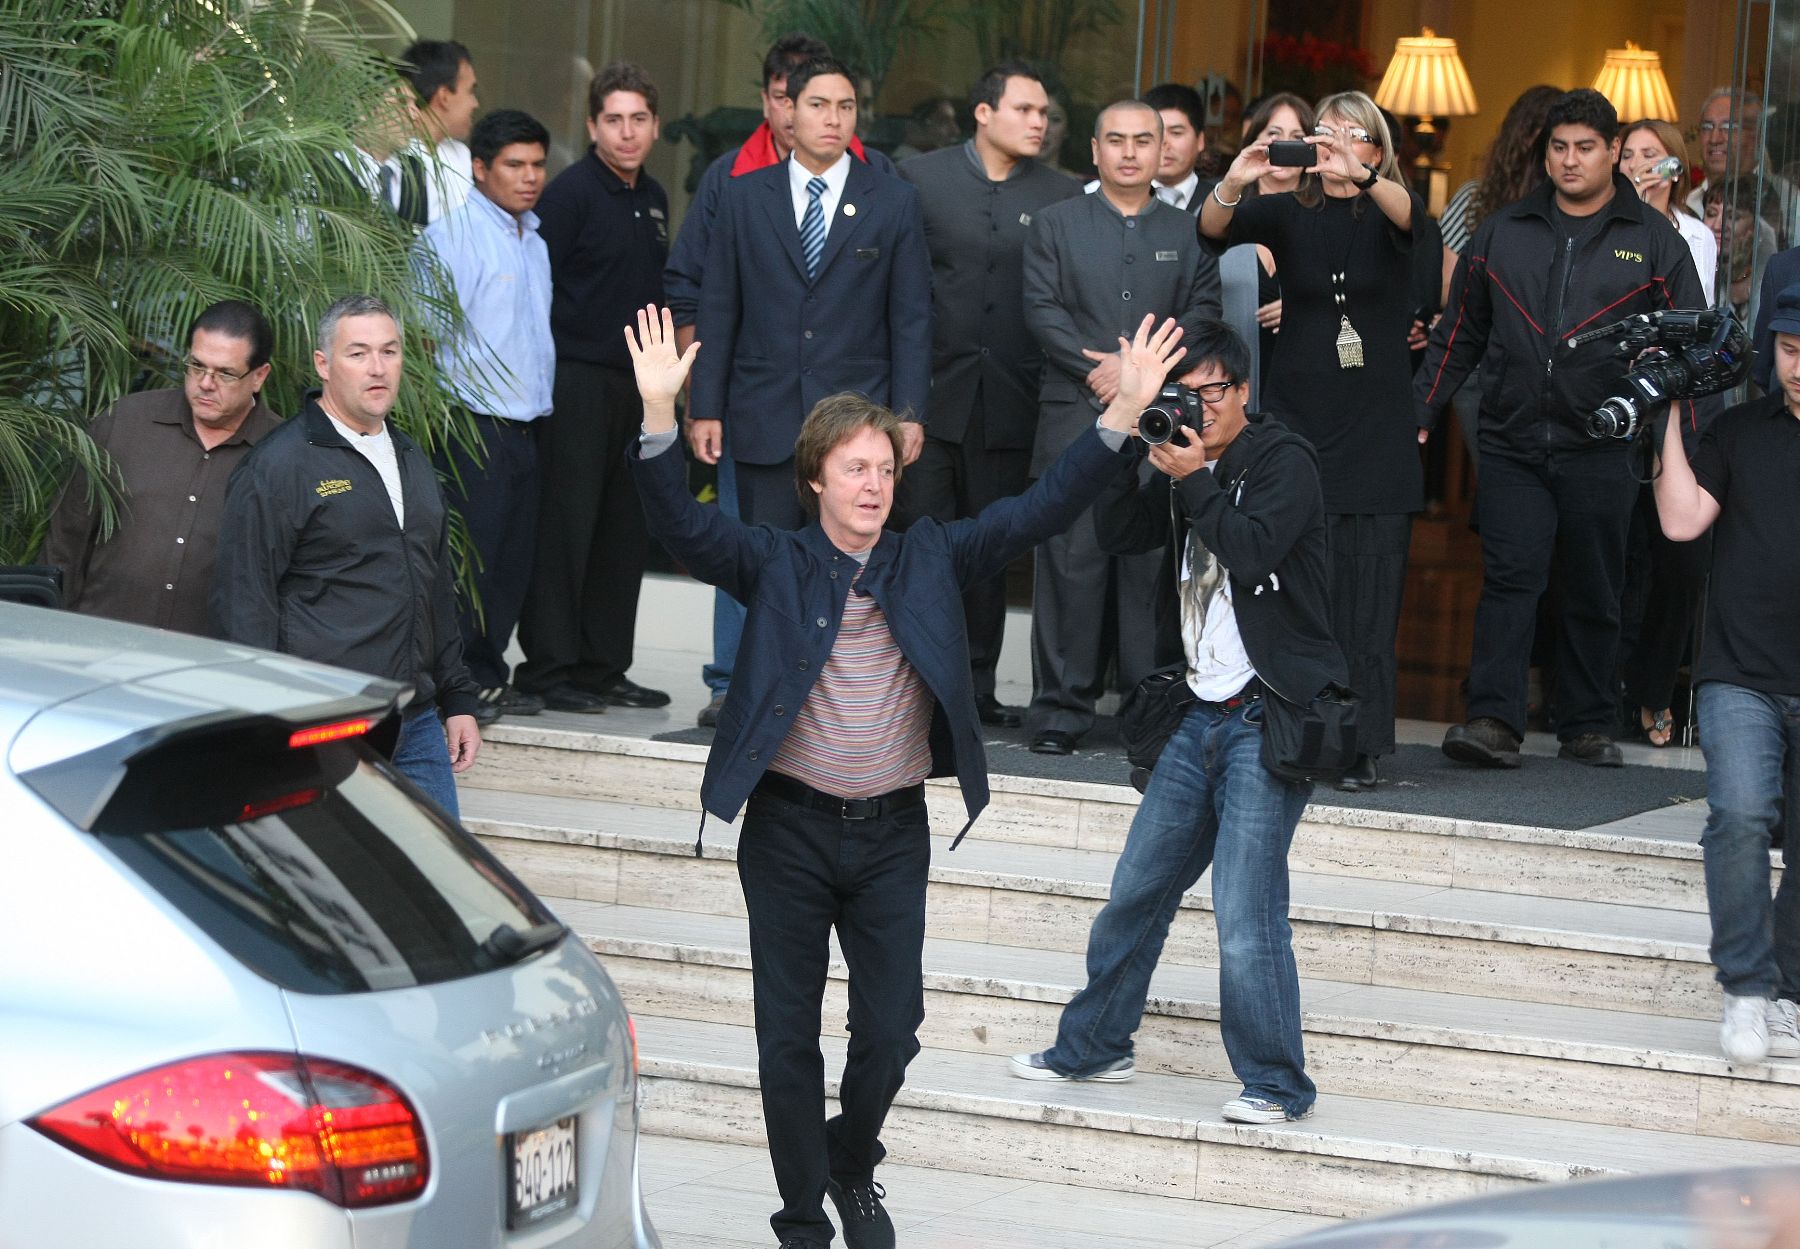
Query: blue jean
(422, 756)
(1210, 802)
(728, 613)
(1752, 746)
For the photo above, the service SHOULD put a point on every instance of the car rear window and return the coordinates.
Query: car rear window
(344, 884)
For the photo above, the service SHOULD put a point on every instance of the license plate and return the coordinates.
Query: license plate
(542, 1164)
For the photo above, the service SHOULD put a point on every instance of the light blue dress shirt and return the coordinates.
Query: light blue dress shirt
(504, 362)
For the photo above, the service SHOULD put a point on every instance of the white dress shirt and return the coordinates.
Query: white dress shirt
(1182, 193)
(835, 178)
(368, 172)
(448, 179)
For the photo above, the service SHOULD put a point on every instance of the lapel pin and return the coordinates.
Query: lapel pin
(849, 210)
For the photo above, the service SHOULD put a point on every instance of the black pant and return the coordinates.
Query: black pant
(1569, 511)
(766, 495)
(1368, 581)
(804, 873)
(498, 499)
(953, 480)
(580, 622)
(1675, 574)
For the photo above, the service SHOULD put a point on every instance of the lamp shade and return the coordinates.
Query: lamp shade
(1632, 79)
(1426, 78)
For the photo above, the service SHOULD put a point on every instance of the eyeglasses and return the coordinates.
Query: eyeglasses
(224, 377)
(1723, 127)
(1355, 134)
(1212, 392)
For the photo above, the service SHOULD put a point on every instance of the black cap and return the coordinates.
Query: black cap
(1786, 318)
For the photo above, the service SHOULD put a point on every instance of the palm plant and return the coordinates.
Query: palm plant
(156, 156)
(864, 34)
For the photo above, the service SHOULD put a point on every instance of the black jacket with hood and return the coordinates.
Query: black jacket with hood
(1521, 291)
(1262, 512)
(312, 561)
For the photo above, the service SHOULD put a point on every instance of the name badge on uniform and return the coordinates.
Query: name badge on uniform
(657, 213)
(1168, 255)
(1024, 219)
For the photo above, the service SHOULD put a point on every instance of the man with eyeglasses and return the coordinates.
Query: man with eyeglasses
(1731, 145)
(174, 449)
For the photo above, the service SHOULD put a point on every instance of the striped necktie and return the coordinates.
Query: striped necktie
(812, 227)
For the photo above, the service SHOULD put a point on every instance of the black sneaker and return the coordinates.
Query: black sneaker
(865, 1224)
(1597, 750)
(1483, 741)
(505, 700)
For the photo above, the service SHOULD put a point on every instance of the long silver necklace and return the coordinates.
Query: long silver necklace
(1349, 342)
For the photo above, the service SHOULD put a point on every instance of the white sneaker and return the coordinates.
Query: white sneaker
(1744, 1029)
(1784, 1029)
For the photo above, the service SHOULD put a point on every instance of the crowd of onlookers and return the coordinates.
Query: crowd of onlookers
(989, 300)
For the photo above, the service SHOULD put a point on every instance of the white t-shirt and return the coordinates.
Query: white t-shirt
(1703, 246)
(1218, 666)
(378, 449)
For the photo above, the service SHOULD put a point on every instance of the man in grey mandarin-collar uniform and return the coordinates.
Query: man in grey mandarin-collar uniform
(1094, 265)
(979, 199)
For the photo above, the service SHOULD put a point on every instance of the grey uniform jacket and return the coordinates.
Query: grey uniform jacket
(1091, 274)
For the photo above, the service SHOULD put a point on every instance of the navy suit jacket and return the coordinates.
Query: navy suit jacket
(777, 343)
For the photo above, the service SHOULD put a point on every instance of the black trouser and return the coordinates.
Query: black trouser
(1675, 575)
(1368, 580)
(803, 873)
(953, 480)
(498, 499)
(580, 622)
(766, 496)
(1564, 510)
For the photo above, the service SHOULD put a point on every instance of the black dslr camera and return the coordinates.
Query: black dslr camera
(1175, 405)
(1684, 354)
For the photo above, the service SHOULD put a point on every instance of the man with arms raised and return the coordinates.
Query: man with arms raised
(1741, 486)
(979, 198)
(335, 547)
(852, 687)
(174, 450)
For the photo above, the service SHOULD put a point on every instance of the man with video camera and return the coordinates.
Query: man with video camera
(1741, 485)
(1580, 251)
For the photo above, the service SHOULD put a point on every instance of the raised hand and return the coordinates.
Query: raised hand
(1145, 361)
(660, 368)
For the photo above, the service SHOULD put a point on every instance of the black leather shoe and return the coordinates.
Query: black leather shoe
(1483, 741)
(865, 1224)
(1597, 750)
(1361, 777)
(624, 692)
(992, 711)
(485, 714)
(568, 698)
(1053, 742)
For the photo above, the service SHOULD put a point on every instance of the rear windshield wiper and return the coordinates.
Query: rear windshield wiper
(507, 944)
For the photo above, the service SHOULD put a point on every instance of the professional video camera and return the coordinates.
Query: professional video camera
(1678, 355)
(1175, 405)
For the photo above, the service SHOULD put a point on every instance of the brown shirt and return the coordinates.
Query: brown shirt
(156, 568)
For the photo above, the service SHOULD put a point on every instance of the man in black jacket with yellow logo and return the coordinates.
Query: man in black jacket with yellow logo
(335, 547)
(1580, 252)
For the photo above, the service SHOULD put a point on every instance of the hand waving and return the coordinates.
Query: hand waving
(660, 368)
(1145, 361)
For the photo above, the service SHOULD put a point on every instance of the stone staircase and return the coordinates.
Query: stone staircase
(1484, 1004)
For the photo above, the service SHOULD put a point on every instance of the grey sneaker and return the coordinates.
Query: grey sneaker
(1744, 1028)
(1249, 1108)
(1784, 1029)
(1037, 1067)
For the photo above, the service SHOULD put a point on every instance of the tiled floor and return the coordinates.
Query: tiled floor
(720, 1197)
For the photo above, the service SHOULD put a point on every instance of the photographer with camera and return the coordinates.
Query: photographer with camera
(1342, 244)
(1240, 495)
(1580, 250)
(1740, 486)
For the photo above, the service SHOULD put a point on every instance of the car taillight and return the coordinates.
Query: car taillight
(337, 731)
(255, 1119)
(631, 1027)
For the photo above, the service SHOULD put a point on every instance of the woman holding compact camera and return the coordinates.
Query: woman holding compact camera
(1342, 244)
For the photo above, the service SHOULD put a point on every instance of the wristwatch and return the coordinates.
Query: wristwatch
(1364, 184)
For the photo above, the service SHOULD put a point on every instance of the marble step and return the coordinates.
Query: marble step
(1557, 1062)
(1161, 1133)
(1650, 860)
(1349, 929)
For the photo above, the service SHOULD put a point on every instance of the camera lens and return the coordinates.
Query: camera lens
(1616, 418)
(1157, 425)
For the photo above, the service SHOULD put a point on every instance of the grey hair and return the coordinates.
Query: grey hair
(350, 306)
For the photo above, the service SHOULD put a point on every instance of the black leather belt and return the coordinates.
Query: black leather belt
(1249, 694)
(801, 794)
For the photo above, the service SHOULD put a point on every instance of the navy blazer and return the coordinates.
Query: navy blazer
(776, 343)
(794, 584)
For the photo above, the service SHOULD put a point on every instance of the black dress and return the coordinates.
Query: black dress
(1359, 420)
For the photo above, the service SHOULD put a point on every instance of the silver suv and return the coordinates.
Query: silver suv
(255, 991)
